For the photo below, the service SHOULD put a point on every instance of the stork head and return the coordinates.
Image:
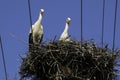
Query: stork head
(68, 21)
(42, 11)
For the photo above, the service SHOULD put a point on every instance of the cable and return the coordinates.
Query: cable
(81, 30)
(30, 14)
(103, 23)
(114, 32)
(3, 57)
(81, 24)
(31, 30)
(17, 38)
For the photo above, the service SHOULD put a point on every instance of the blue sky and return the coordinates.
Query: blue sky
(14, 18)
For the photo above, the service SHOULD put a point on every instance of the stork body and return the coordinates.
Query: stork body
(36, 31)
(64, 36)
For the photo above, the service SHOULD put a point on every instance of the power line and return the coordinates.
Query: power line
(103, 23)
(30, 14)
(114, 32)
(30, 23)
(3, 57)
(81, 24)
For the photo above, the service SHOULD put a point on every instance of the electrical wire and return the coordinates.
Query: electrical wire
(81, 23)
(30, 14)
(3, 57)
(114, 32)
(103, 23)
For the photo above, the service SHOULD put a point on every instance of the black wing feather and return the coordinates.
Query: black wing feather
(30, 38)
(41, 38)
(30, 41)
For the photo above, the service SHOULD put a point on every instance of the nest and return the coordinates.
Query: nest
(57, 60)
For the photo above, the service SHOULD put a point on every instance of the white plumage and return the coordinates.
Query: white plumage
(36, 32)
(64, 36)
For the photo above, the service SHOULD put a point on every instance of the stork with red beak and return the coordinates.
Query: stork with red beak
(36, 31)
(64, 36)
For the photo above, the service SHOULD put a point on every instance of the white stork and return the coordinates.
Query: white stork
(64, 36)
(36, 31)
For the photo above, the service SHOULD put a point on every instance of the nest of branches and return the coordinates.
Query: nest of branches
(57, 60)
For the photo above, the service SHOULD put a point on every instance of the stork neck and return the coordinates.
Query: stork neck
(40, 18)
(66, 28)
